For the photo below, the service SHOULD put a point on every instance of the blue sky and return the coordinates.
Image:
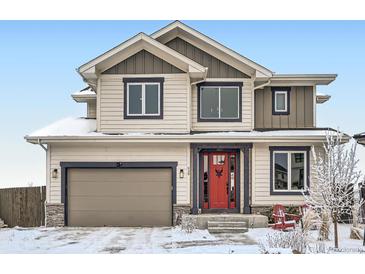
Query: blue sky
(38, 61)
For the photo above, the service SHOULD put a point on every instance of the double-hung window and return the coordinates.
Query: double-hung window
(281, 101)
(143, 98)
(290, 168)
(219, 102)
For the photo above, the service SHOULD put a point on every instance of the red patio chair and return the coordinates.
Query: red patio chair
(280, 218)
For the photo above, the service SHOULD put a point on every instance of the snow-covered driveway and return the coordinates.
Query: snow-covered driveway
(121, 240)
(149, 240)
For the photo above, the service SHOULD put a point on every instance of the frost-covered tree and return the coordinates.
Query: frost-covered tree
(335, 175)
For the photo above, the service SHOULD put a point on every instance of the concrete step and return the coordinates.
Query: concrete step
(226, 218)
(227, 230)
(241, 224)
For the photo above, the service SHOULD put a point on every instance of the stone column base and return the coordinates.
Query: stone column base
(55, 214)
(178, 212)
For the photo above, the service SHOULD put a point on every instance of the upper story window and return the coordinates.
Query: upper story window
(219, 102)
(281, 101)
(143, 98)
(290, 170)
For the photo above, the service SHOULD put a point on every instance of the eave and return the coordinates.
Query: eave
(360, 138)
(178, 138)
(301, 79)
(322, 98)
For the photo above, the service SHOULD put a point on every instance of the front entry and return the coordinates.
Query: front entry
(219, 186)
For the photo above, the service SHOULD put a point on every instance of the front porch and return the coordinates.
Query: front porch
(246, 221)
(221, 178)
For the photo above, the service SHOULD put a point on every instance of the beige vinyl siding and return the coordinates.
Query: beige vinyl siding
(301, 109)
(143, 62)
(114, 152)
(216, 67)
(91, 109)
(245, 125)
(261, 177)
(175, 106)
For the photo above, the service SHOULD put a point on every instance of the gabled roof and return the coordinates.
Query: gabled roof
(133, 45)
(178, 29)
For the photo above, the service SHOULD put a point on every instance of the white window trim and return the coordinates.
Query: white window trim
(286, 100)
(144, 99)
(289, 152)
(219, 102)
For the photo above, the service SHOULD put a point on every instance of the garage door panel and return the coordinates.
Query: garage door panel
(119, 218)
(106, 188)
(127, 203)
(119, 197)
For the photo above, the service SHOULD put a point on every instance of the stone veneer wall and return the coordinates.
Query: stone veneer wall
(55, 214)
(262, 210)
(178, 212)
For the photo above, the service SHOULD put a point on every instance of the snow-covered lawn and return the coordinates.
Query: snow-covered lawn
(141, 240)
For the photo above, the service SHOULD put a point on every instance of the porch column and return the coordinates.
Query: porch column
(246, 178)
(195, 209)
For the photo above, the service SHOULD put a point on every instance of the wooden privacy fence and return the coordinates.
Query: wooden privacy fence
(23, 206)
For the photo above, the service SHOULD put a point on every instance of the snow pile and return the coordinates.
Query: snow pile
(68, 127)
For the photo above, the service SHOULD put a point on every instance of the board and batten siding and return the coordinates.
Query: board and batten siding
(175, 106)
(247, 120)
(143, 62)
(216, 67)
(261, 177)
(114, 152)
(301, 109)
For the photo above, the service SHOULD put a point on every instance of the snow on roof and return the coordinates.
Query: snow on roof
(85, 91)
(67, 127)
(83, 127)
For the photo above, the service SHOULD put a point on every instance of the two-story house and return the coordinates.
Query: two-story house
(178, 123)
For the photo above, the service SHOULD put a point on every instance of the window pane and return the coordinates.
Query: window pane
(206, 179)
(281, 171)
(229, 102)
(280, 101)
(297, 171)
(135, 99)
(209, 102)
(232, 170)
(151, 98)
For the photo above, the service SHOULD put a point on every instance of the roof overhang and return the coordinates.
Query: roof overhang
(84, 130)
(84, 96)
(298, 79)
(141, 41)
(194, 37)
(360, 138)
(178, 138)
(322, 98)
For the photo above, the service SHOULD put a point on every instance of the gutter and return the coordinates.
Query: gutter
(182, 138)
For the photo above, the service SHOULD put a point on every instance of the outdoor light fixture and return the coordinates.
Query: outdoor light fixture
(55, 173)
(181, 173)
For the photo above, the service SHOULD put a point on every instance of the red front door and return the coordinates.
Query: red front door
(218, 180)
